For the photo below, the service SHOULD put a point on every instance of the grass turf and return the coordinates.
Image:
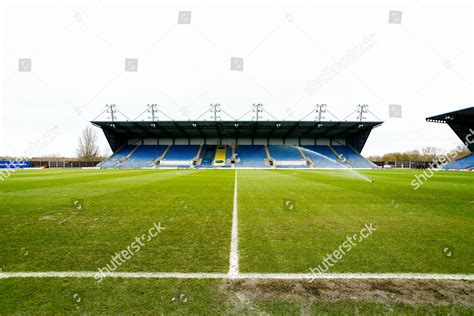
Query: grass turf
(413, 227)
(178, 297)
(41, 229)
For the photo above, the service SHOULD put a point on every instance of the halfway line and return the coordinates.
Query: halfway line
(234, 251)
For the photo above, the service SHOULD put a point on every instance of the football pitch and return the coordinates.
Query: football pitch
(186, 241)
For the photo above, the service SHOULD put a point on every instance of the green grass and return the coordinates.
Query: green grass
(41, 230)
(193, 297)
(413, 227)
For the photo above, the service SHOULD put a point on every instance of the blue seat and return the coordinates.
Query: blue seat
(182, 152)
(228, 156)
(251, 156)
(462, 163)
(322, 156)
(287, 156)
(114, 159)
(284, 152)
(354, 158)
(180, 156)
(144, 156)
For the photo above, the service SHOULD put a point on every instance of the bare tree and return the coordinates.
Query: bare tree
(87, 147)
(431, 153)
(426, 154)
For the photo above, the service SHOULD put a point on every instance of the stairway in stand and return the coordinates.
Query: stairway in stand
(208, 156)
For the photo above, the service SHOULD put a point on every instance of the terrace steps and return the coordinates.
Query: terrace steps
(268, 152)
(357, 153)
(302, 153)
(208, 155)
(165, 152)
(198, 155)
(333, 150)
(219, 158)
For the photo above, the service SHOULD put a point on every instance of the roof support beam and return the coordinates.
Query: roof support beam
(144, 130)
(330, 129)
(343, 131)
(297, 124)
(179, 128)
(118, 127)
(196, 126)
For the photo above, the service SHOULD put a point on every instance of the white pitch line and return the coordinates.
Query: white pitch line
(234, 250)
(366, 276)
(99, 275)
(269, 276)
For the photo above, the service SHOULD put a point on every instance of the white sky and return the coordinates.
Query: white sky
(425, 64)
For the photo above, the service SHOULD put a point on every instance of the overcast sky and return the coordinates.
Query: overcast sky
(295, 55)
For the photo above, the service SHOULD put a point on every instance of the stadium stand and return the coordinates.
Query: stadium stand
(247, 156)
(221, 144)
(220, 156)
(14, 164)
(115, 159)
(283, 152)
(144, 156)
(208, 155)
(323, 150)
(285, 156)
(251, 156)
(180, 156)
(229, 155)
(464, 163)
(354, 158)
(462, 123)
(322, 157)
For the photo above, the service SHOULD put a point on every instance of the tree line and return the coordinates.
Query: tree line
(426, 154)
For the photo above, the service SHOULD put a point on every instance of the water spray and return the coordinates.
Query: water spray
(344, 167)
